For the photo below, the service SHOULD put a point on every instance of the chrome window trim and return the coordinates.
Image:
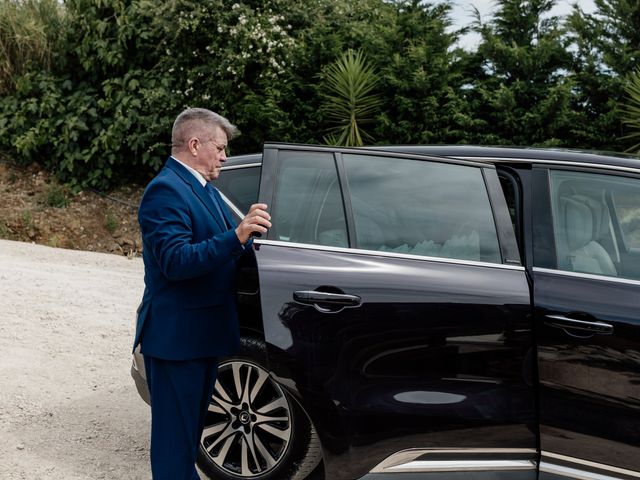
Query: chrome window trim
(591, 276)
(246, 165)
(568, 472)
(406, 461)
(357, 251)
(547, 466)
(230, 204)
(600, 166)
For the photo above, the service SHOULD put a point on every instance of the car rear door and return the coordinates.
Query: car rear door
(587, 306)
(396, 309)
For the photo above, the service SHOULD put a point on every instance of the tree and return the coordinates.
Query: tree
(421, 77)
(350, 99)
(517, 78)
(631, 110)
(607, 49)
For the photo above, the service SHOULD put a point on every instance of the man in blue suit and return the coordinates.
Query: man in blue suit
(187, 318)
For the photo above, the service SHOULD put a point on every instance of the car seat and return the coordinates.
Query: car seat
(579, 226)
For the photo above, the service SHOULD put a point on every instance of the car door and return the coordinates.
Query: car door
(587, 306)
(396, 309)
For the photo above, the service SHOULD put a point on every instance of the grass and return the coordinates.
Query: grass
(27, 219)
(110, 222)
(56, 196)
(4, 230)
(29, 31)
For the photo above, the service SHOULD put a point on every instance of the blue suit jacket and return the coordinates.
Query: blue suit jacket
(188, 309)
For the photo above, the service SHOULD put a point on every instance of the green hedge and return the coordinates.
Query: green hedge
(98, 107)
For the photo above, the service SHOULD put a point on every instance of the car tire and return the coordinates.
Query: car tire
(254, 428)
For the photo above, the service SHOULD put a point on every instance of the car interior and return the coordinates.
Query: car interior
(588, 233)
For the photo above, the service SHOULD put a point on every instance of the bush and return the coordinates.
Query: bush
(29, 38)
(56, 196)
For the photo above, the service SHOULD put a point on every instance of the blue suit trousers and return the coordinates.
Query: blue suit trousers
(180, 395)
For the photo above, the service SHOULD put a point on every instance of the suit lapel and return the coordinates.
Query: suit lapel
(225, 210)
(198, 189)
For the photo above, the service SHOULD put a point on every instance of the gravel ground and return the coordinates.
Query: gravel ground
(68, 407)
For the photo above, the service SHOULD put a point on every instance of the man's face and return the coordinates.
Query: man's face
(210, 153)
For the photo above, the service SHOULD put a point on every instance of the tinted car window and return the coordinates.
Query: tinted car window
(421, 208)
(308, 204)
(240, 185)
(626, 203)
(596, 220)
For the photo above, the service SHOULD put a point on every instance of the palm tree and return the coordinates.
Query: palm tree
(349, 101)
(631, 110)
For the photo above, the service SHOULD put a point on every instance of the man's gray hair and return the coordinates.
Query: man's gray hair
(192, 120)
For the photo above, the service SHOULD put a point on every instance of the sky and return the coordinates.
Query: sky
(462, 14)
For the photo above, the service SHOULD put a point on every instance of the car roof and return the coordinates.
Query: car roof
(476, 152)
(485, 153)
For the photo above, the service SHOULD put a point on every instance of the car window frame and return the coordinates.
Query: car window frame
(507, 243)
(224, 192)
(542, 211)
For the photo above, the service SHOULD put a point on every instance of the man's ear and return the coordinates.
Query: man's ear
(193, 145)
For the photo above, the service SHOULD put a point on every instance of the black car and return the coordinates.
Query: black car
(433, 312)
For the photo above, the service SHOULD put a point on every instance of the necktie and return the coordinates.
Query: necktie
(212, 193)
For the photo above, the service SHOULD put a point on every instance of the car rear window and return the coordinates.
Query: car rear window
(240, 186)
(421, 208)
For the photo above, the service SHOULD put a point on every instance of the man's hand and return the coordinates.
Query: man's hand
(257, 220)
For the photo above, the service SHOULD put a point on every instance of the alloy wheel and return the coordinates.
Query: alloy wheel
(248, 426)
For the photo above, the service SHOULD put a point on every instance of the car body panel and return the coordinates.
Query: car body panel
(435, 353)
(588, 342)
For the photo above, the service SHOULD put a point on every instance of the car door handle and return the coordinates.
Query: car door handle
(313, 297)
(560, 321)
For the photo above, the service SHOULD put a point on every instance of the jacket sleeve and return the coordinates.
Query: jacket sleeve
(167, 230)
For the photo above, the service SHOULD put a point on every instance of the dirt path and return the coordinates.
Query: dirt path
(68, 406)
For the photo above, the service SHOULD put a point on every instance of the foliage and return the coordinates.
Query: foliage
(517, 82)
(110, 222)
(27, 219)
(56, 196)
(95, 85)
(422, 78)
(95, 121)
(631, 110)
(29, 33)
(607, 49)
(350, 101)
